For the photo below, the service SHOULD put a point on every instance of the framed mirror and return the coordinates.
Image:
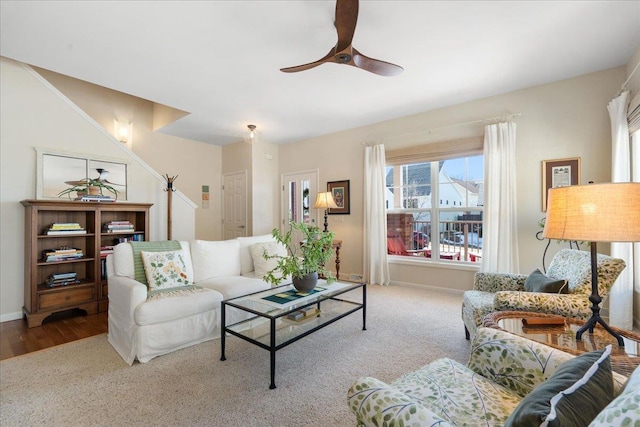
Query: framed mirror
(55, 169)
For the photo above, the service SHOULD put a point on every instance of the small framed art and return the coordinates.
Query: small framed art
(559, 173)
(340, 192)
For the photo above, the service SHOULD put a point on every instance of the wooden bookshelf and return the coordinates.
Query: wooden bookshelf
(91, 292)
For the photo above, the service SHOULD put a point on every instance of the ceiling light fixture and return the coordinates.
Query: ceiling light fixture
(250, 136)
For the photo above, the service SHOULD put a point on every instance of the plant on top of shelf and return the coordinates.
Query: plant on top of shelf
(305, 259)
(90, 186)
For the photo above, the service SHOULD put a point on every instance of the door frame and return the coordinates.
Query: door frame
(315, 179)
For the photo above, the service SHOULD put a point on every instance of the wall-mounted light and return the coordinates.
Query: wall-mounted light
(251, 135)
(123, 131)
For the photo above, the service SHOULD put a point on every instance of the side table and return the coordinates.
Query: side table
(563, 337)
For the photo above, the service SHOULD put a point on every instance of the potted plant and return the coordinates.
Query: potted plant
(303, 262)
(91, 186)
(88, 186)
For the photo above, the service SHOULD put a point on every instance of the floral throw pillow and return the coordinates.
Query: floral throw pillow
(165, 269)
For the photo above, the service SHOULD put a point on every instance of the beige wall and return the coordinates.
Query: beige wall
(33, 114)
(563, 119)
(260, 161)
(265, 205)
(196, 164)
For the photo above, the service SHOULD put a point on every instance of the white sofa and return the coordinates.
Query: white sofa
(143, 327)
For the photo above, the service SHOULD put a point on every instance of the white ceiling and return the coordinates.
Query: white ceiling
(220, 60)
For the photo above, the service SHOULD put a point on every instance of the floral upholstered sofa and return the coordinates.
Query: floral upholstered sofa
(505, 292)
(504, 375)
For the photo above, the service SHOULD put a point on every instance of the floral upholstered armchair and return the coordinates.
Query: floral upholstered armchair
(503, 369)
(505, 292)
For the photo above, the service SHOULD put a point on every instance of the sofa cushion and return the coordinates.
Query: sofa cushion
(572, 396)
(538, 282)
(165, 269)
(457, 394)
(123, 260)
(215, 259)
(624, 410)
(235, 286)
(261, 265)
(246, 261)
(166, 306)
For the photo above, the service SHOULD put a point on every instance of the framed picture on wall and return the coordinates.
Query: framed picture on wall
(559, 173)
(340, 192)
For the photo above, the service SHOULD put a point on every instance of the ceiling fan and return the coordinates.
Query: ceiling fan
(344, 52)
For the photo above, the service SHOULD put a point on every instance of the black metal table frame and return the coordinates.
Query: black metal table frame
(272, 334)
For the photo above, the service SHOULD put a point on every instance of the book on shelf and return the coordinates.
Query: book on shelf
(118, 226)
(50, 232)
(65, 226)
(62, 254)
(103, 268)
(69, 275)
(64, 282)
(134, 238)
(62, 279)
(106, 250)
(95, 198)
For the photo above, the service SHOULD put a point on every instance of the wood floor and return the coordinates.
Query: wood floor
(17, 339)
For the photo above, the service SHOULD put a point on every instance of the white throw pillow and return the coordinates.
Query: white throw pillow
(215, 259)
(263, 266)
(165, 269)
(246, 261)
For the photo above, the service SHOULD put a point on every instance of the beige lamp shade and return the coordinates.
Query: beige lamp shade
(595, 213)
(325, 201)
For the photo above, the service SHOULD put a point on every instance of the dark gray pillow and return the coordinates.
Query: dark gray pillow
(572, 396)
(538, 282)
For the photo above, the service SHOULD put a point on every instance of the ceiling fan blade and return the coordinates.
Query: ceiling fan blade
(346, 20)
(375, 66)
(327, 58)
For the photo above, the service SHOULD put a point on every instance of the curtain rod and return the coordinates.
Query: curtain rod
(473, 122)
(489, 119)
(624, 85)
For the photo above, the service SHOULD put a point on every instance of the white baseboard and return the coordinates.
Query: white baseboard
(10, 316)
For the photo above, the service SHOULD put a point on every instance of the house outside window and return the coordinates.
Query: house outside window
(436, 208)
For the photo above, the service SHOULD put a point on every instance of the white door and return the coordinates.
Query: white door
(298, 194)
(234, 195)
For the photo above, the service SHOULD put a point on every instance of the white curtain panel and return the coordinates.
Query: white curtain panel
(500, 237)
(376, 267)
(621, 294)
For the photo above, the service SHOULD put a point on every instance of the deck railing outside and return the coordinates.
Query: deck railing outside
(456, 237)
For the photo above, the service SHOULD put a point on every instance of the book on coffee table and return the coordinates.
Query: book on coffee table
(542, 321)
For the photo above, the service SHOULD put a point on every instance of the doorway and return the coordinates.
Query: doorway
(234, 200)
(299, 193)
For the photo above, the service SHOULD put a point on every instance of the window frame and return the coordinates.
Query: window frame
(470, 251)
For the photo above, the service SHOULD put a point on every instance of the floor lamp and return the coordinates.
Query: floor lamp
(325, 201)
(594, 213)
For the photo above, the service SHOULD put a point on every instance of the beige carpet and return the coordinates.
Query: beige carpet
(86, 383)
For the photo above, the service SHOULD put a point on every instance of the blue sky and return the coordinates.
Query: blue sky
(455, 168)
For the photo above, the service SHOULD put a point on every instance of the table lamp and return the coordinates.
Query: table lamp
(325, 200)
(594, 213)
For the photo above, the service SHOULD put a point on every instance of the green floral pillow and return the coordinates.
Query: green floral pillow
(165, 269)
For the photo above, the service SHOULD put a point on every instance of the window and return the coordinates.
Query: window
(436, 208)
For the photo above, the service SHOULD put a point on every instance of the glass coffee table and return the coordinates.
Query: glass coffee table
(281, 316)
(560, 332)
